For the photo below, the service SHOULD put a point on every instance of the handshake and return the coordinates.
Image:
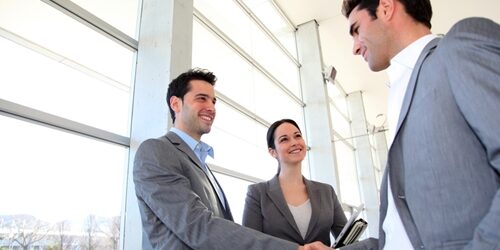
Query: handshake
(317, 245)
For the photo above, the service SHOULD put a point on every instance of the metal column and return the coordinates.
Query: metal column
(323, 165)
(364, 161)
(381, 151)
(165, 45)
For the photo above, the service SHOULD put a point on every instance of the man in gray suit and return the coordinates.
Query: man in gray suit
(181, 203)
(441, 184)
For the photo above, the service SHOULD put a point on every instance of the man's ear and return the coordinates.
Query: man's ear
(385, 9)
(175, 104)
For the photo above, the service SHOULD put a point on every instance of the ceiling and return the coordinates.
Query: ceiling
(352, 72)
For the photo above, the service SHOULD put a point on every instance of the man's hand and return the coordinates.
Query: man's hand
(317, 245)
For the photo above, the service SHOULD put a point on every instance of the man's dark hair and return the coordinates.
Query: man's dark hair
(182, 84)
(420, 10)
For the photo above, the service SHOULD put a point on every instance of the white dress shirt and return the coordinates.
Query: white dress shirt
(399, 73)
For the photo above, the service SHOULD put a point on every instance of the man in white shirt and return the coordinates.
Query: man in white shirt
(442, 180)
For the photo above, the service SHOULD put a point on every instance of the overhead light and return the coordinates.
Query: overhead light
(330, 74)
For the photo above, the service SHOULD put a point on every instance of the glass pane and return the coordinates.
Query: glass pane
(229, 18)
(338, 98)
(247, 86)
(271, 57)
(234, 23)
(240, 145)
(206, 47)
(122, 14)
(249, 80)
(55, 64)
(338, 111)
(272, 19)
(348, 178)
(339, 123)
(57, 185)
(236, 191)
(274, 104)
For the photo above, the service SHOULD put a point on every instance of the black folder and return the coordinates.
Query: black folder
(352, 230)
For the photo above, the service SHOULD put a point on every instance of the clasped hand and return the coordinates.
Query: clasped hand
(317, 245)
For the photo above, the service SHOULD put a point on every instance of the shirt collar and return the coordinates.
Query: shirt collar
(407, 58)
(197, 146)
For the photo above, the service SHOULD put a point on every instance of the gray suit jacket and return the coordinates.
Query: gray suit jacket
(179, 207)
(444, 163)
(267, 211)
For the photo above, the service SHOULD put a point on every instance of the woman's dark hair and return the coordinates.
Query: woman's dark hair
(420, 10)
(272, 129)
(181, 85)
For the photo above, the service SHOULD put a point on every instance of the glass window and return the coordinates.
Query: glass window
(230, 19)
(273, 104)
(271, 57)
(338, 98)
(56, 183)
(339, 123)
(240, 144)
(236, 191)
(122, 14)
(233, 129)
(55, 64)
(207, 47)
(338, 112)
(272, 19)
(348, 178)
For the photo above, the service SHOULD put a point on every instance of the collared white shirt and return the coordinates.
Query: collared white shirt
(399, 72)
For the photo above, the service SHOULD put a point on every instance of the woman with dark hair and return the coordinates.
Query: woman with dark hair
(290, 206)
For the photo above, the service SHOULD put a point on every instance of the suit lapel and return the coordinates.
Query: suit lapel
(395, 166)
(413, 81)
(182, 146)
(315, 199)
(227, 211)
(395, 172)
(276, 195)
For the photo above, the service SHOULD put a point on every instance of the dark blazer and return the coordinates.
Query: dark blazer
(179, 207)
(444, 163)
(267, 211)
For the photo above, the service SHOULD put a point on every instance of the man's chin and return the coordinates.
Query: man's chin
(377, 66)
(206, 130)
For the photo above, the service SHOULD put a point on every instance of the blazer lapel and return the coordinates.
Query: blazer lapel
(227, 211)
(315, 199)
(182, 146)
(395, 172)
(413, 80)
(276, 195)
(395, 167)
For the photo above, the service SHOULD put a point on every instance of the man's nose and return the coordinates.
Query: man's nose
(210, 106)
(356, 47)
